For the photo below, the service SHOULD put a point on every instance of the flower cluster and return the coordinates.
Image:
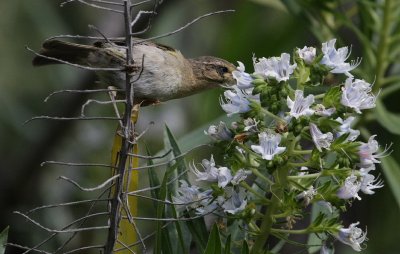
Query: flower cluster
(295, 137)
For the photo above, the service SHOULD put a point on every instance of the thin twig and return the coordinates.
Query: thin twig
(65, 204)
(99, 102)
(74, 164)
(150, 157)
(85, 248)
(26, 248)
(185, 26)
(91, 5)
(56, 118)
(60, 231)
(80, 91)
(89, 189)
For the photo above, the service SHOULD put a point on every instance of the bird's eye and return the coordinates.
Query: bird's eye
(222, 70)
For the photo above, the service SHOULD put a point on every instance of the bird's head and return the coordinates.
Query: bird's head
(213, 71)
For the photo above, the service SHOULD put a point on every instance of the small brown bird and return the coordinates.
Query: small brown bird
(166, 73)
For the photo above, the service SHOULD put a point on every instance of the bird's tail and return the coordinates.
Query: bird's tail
(53, 50)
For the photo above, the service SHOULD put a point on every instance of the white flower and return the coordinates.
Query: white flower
(237, 101)
(224, 176)
(350, 188)
(320, 139)
(220, 132)
(190, 196)
(300, 106)
(239, 176)
(250, 124)
(211, 173)
(322, 111)
(368, 153)
(335, 59)
(243, 79)
(278, 68)
(234, 202)
(368, 183)
(268, 147)
(357, 95)
(345, 128)
(352, 236)
(307, 54)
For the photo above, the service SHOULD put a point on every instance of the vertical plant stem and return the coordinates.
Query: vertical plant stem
(125, 144)
(267, 221)
(383, 46)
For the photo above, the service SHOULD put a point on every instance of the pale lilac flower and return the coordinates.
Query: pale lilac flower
(243, 79)
(206, 206)
(357, 95)
(220, 132)
(211, 173)
(239, 176)
(307, 54)
(350, 188)
(190, 196)
(368, 152)
(224, 176)
(320, 110)
(278, 68)
(321, 140)
(352, 236)
(234, 201)
(237, 101)
(250, 125)
(345, 128)
(368, 183)
(300, 106)
(268, 147)
(335, 58)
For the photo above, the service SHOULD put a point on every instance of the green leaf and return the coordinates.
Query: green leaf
(179, 162)
(388, 120)
(3, 240)
(391, 169)
(199, 233)
(227, 249)
(214, 242)
(153, 180)
(245, 248)
(314, 241)
(162, 237)
(332, 97)
(182, 232)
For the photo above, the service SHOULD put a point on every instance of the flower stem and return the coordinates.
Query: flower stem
(268, 220)
(316, 175)
(290, 231)
(247, 187)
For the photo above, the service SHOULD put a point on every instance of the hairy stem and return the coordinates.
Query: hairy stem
(268, 220)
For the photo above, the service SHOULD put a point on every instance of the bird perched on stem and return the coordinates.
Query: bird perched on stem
(160, 73)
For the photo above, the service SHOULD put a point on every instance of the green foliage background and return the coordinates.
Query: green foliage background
(265, 28)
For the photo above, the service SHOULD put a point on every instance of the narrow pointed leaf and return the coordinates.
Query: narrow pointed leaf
(387, 119)
(214, 242)
(3, 240)
(391, 169)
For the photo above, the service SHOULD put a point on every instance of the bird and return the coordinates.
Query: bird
(159, 73)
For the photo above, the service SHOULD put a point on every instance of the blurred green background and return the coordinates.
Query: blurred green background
(257, 27)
